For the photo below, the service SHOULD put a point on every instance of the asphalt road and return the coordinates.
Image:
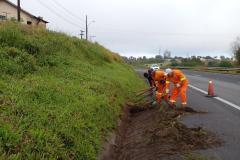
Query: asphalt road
(221, 119)
(226, 86)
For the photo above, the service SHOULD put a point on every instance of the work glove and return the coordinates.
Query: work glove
(167, 91)
(178, 85)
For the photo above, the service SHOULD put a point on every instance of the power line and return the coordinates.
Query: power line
(168, 34)
(59, 15)
(66, 10)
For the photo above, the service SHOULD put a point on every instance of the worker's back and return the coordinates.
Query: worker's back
(159, 75)
(177, 77)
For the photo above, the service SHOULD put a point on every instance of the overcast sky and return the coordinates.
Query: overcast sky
(142, 27)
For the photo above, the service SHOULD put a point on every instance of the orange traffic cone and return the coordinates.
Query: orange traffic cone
(211, 89)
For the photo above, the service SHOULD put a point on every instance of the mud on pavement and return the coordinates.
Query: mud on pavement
(150, 134)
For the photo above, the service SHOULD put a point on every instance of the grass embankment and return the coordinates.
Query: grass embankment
(59, 96)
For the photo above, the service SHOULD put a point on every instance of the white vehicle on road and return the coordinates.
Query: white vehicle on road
(155, 67)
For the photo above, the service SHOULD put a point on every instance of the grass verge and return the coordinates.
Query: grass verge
(59, 96)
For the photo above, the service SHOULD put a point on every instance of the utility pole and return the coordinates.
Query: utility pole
(19, 11)
(86, 27)
(82, 34)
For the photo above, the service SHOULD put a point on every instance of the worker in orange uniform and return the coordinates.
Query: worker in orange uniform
(180, 83)
(148, 76)
(160, 80)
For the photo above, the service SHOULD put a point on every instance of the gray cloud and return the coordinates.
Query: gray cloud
(139, 27)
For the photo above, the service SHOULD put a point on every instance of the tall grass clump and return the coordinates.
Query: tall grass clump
(60, 97)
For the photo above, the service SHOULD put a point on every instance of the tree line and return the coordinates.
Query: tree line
(192, 61)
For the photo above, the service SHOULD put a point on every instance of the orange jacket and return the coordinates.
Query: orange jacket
(177, 78)
(157, 77)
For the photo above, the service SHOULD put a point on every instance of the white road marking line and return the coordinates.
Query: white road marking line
(228, 103)
(198, 89)
(217, 98)
(197, 75)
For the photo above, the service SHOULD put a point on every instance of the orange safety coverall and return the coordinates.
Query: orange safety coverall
(178, 78)
(159, 76)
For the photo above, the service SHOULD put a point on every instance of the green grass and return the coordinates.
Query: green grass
(195, 156)
(60, 97)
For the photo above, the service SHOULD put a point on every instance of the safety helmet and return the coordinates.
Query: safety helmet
(168, 71)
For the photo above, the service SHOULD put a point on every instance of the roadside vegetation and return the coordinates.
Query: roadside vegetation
(193, 61)
(60, 97)
(216, 64)
(236, 50)
(183, 62)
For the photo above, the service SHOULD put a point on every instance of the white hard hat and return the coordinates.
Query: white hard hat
(168, 71)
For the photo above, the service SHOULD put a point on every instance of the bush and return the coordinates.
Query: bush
(213, 64)
(225, 64)
(16, 62)
(174, 63)
(191, 62)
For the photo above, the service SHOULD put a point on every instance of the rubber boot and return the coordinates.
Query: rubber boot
(184, 105)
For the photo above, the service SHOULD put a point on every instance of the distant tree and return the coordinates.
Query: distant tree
(179, 58)
(225, 64)
(159, 59)
(213, 64)
(208, 57)
(236, 50)
(191, 62)
(193, 57)
(222, 58)
(174, 63)
(167, 54)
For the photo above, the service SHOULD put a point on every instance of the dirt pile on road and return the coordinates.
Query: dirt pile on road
(154, 134)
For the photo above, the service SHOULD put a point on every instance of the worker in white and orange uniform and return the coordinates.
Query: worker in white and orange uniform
(180, 83)
(160, 80)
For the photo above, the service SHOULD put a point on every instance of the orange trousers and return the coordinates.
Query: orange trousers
(160, 94)
(182, 91)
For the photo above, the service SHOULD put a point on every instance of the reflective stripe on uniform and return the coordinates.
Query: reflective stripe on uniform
(182, 79)
(184, 103)
(173, 101)
(167, 81)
